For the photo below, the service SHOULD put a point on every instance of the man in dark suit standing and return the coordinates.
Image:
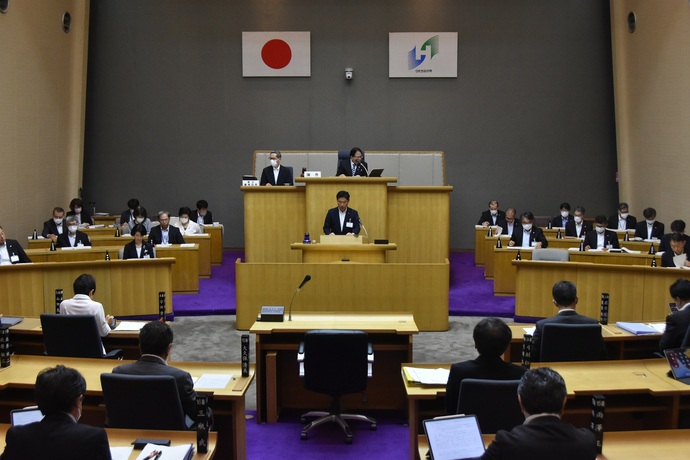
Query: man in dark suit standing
(565, 299)
(341, 220)
(73, 238)
(355, 166)
(275, 174)
(201, 215)
(623, 220)
(491, 338)
(59, 392)
(528, 235)
(11, 251)
(578, 226)
(677, 323)
(542, 397)
(600, 238)
(650, 228)
(492, 215)
(165, 233)
(56, 226)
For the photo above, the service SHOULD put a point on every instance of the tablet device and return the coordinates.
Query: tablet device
(376, 172)
(454, 437)
(25, 416)
(673, 307)
(679, 360)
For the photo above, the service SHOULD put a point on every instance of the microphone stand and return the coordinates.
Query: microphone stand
(305, 281)
(366, 171)
(361, 224)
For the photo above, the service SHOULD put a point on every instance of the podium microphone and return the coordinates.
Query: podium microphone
(304, 281)
(361, 224)
(365, 168)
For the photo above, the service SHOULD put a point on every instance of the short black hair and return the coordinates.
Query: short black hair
(84, 284)
(132, 203)
(678, 226)
(564, 293)
(57, 389)
(277, 153)
(342, 194)
(491, 337)
(493, 201)
(580, 208)
(355, 150)
(542, 390)
(58, 209)
(565, 205)
(138, 228)
(184, 210)
(649, 213)
(623, 205)
(677, 238)
(680, 289)
(527, 215)
(140, 211)
(75, 203)
(154, 338)
(202, 204)
(601, 219)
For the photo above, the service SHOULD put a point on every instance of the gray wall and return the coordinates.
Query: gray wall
(529, 120)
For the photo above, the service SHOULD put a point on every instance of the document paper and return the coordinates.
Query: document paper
(213, 381)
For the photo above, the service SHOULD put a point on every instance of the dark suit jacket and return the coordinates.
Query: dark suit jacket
(124, 217)
(332, 222)
(536, 234)
(630, 222)
(544, 437)
(56, 437)
(151, 365)
(81, 237)
(641, 230)
(344, 168)
(481, 368)
(667, 258)
(503, 223)
(665, 243)
(676, 325)
(130, 251)
(50, 228)
(208, 217)
(609, 238)
(558, 221)
(565, 317)
(571, 229)
(174, 235)
(486, 217)
(85, 217)
(14, 248)
(284, 176)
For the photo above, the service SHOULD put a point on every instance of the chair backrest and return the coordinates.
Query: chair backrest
(686, 339)
(121, 253)
(571, 342)
(146, 402)
(335, 361)
(345, 155)
(494, 402)
(553, 255)
(71, 335)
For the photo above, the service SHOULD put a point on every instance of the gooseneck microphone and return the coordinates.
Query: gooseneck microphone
(361, 224)
(361, 163)
(304, 281)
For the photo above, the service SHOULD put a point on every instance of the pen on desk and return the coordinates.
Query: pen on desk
(154, 455)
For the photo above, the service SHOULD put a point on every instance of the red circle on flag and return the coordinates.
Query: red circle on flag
(276, 53)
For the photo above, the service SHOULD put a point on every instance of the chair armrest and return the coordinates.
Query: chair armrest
(115, 354)
(300, 358)
(370, 360)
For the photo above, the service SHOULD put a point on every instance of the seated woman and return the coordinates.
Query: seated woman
(76, 207)
(140, 217)
(138, 249)
(186, 226)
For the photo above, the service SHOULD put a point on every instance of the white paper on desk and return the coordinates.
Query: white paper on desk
(187, 245)
(180, 452)
(97, 226)
(595, 250)
(121, 453)
(630, 251)
(130, 325)
(429, 376)
(660, 327)
(679, 261)
(529, 330)
(213, 381)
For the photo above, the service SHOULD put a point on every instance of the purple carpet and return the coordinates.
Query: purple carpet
(470, 294)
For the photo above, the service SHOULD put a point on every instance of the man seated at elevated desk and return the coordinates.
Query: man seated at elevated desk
(73, 238)
(59, 393)
(491, 339)
(565, 299)
(341, 220)
(528, 235)
(165, 233)
(355, 166)
(11, 252)
(600, 238)
(507, 224)
(276, 174)
(56, 225)
(578, 226)
(564, 218)
(492, 215)
(676, 256)
(650, 228)
(677, 323)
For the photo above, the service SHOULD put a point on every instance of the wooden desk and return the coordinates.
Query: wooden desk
(328, 253)
(124, 287)
(278, 384)
(105, 220)
(480, 233)
(216, 234)
(73, 255)
(185, 272)
(17, 384)
(204, 243)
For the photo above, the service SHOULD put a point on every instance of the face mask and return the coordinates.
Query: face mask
(72, 228)
(77, 210)
(565, 213)
(650, 222)
(578, 219)
(624, 215)
(184, 220)
(57, 220)
(601, 229)
(202, 214)
(274, 163)
(139, 220)
(527, 227)
(494, 212)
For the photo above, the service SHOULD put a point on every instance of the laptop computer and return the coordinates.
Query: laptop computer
(376, 172)
(679, 360)
(454, 437)
(25, 416)
(10, 320)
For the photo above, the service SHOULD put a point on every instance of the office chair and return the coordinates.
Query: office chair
(335, 363)
(75, 336)
(494, 402)
(571, 342)
(345, 155)
(552, 255)
(146, 402)
(686, 340)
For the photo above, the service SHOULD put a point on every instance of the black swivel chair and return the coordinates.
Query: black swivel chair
(345, 155)
(146, 402)
(75, 336)
(494, 402)
(571, 342)
(335, 363)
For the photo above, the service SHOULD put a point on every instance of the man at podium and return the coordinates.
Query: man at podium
(341, 220)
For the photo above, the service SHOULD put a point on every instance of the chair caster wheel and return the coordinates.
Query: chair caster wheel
(303, 436)
(373, 427)
(302, 420)
(348, 440)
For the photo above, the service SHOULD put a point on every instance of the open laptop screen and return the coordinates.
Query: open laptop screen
(454, 437)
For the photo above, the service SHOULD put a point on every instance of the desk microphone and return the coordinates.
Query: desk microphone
(365, 168)
(304, 281)
(361, 224)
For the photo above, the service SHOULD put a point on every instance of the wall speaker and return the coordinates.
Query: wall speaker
(66, 22)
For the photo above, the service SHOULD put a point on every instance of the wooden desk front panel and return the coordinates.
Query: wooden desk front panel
(72, 255)
(105, 220)
(329, 253)
(479, 251)
(489, 260)
(185, 271)
(216, 234)
(204, 243)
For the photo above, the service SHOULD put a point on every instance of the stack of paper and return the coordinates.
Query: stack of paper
(181, 452)
(638, 328)
(424, 376)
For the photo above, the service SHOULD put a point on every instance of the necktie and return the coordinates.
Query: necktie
(354, 169)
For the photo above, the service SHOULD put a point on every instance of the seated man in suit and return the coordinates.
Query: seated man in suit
(507, 224)
(202, 215)
(56, 226)
(563, 219)
(600, 238)
(650, 228)
(542, 398)
(578, 227)
(11, 251)
(59, 392)
(677, 226)
(155, 344)
(127, 216)
(165, 233)
(83, 304)
(355, 166)
(677, 255)
(491, 338)
(623, 220)
(565, 299)
(73, 237)
(492, 215)
(677, 323)
(528, 235)
(341, 220)
(276, 174)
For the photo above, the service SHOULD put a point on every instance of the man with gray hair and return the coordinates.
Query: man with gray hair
(276, 174)
(165, 233)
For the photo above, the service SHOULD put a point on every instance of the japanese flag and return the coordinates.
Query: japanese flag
(276, 54)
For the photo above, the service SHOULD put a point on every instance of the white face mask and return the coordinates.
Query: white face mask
(202, 214)
(624, 215)
(184, 220)
(601, 229)
(578, 219)
(139, 220)
(57, 220)
(650, 222)
(274, 163)
(527, 227)
(565, 213)
(77, 210)
(72, 228)
(494, 212)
